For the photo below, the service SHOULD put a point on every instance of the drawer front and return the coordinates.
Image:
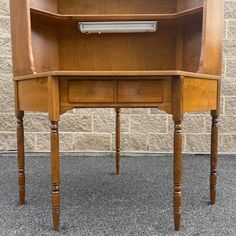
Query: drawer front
(80, 91)
(141, 91)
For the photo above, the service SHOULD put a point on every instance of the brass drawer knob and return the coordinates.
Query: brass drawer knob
(140, 92)
(90, 91)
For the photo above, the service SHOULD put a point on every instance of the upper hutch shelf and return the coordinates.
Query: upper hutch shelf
(50, 18)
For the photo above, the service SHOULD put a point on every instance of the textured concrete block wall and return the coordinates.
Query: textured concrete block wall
(143, 130)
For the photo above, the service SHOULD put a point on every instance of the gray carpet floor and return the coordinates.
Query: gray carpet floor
(139, 202)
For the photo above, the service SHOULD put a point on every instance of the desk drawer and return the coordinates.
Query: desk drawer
(141, 91)
(80, 91)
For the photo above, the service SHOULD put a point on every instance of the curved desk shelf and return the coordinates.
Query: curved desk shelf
(48, 18)
(121, 74)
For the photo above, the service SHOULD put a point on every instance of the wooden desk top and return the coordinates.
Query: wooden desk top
(157, 73)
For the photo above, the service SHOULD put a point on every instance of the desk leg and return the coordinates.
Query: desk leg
(55, 171)
(214, 147)
(21, 156)
(177, 198)
(117, 141)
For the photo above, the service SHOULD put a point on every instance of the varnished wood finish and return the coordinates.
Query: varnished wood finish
(50, 6)
(148, 91)
(54, 19)
(33, 95)
(21, 156)
(186, 4)
(57, 68)
(91, 91)
(20, 145)
(178, 97)
(117, 141)
(55, 169)
(191, 46)
(213, 27)
(121, 74)
(45, 48)
(21, 38)
(94, 52)
(53, 99)
(119, 7)
(116, 92)
(177, 199)
(178, 87)
(48, 37)
(214, 154)
(116, 52)
(199, 95)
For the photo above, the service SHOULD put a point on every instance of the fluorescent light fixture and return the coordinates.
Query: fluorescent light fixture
(117, 27)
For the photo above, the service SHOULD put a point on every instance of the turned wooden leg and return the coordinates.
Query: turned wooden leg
(177, 198)
(214, 147)
(55, 169)
(21, 156)
(117, 141)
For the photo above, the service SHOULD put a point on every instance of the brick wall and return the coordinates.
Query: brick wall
(143, 130)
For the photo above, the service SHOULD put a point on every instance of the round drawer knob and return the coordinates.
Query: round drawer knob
(90, 92)
(140, 92)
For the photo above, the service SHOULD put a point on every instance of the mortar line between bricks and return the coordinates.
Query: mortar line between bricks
(111, 143)
(129, 124)
(167, 124)
(156, 133)
(5, 55)
(102, 133)
(6, 74)
(92, 124)
(229, 78)
(223, 106)
(36, 142)
(4, 17)
(228, 96)
(73, 141)
(148, 142)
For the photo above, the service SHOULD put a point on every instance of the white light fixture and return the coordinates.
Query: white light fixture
(117, 27)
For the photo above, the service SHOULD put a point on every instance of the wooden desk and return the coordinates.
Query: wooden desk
(57, 68)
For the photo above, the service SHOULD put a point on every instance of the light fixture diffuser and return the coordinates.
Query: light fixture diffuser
(117, 27)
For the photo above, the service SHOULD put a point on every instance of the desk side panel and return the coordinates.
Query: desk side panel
(33, 95)
(199, 95)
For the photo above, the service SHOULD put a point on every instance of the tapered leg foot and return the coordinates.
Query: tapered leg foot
(177, 198)
(214, 147)
(56, 206)
(21, 157)
(117, 141)
(55, 169)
